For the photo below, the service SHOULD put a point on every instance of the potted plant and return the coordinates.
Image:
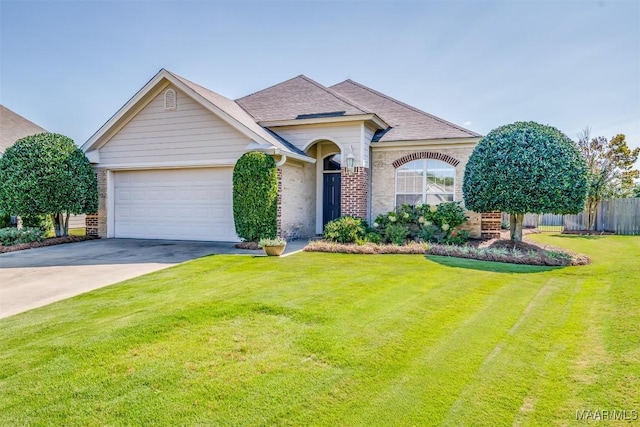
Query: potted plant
(273, 247)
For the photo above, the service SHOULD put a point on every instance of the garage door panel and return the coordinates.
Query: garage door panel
(191, 204)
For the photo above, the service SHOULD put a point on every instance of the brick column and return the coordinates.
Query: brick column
(91, 224)
(354, 192)
(97, 223)
(491, 224)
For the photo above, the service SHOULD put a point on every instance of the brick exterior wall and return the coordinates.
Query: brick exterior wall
(491, 225)
(383, 171)
(99, 222)
(354, 192)
(296, 200)
(91, 224)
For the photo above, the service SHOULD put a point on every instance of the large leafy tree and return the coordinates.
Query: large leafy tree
(47, 174)
(525, 167)
(610, 170)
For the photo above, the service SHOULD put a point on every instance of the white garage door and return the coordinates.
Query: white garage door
(182, 204)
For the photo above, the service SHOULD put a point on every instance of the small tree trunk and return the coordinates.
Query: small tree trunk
(66, 224)
(61, 224)
(512, 224)
(592, 206)
(516, 230)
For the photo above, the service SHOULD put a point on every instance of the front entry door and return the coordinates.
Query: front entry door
(330, 197)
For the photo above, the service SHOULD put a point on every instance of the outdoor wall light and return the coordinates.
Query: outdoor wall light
(351, 161)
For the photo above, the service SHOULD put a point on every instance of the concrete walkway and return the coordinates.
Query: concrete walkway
(36, 277)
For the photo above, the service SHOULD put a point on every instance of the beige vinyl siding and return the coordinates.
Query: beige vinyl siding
(344, 135)
(189, 133)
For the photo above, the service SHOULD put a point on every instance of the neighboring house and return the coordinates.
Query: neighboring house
(13, 127)
(165, 160)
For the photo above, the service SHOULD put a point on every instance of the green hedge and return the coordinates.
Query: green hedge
(255, 197)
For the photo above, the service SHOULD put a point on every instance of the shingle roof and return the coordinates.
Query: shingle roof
(407, 122)
(13, 127)
(299, 96)
(234, 110)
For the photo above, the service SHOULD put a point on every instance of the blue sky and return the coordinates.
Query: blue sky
(68, 66)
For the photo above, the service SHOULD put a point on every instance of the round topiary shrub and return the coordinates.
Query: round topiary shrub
(525, 167)
(255, 197)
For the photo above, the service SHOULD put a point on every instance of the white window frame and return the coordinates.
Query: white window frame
(424, 192)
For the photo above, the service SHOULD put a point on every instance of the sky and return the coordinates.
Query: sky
(69, 66)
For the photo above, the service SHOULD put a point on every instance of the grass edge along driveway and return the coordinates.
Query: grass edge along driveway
(331, 339)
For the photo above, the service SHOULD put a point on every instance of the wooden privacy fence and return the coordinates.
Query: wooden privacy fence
(620, 216)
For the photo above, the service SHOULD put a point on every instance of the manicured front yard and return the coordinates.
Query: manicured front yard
(333, 339)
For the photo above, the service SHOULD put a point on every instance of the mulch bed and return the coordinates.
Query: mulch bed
(252, 246)
(51, 241)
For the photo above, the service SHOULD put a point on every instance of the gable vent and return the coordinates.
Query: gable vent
(170, 99)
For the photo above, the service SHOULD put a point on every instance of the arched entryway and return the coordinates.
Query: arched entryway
(328, 181)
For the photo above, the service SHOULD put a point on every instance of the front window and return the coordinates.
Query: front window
(426, 181)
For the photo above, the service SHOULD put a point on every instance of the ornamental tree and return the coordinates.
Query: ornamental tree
(47, 174)
(525, 167)
(610, 170)
(255, 197)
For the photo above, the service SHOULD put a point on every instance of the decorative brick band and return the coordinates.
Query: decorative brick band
(91, 224)
(354, 192)
(426, 155)
(490, 225)
(279, 203)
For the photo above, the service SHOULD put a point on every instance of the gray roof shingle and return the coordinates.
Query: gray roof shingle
(407, 122)
(13, 127)
(299, 96)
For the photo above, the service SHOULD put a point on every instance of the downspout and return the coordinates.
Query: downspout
(282, 161)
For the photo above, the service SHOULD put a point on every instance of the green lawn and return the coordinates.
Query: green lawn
(331, 339)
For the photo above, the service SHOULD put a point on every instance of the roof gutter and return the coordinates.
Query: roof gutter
(372, 118)
(275, 151)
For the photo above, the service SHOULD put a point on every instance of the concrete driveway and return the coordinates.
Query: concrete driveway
(37, 277)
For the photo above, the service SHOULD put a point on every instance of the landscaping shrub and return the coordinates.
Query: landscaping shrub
(346, 229)
(255, 197)
(12, 236)
(42, 222)
(5, 220)
(47, 173)
(373, 237)
(423, 222)
(396, 234)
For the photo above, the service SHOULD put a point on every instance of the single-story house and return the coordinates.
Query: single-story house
(165, 160)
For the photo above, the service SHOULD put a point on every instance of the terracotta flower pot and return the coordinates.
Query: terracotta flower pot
(274, 250)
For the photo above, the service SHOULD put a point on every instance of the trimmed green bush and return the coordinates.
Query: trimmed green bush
(42, 222)
(47, 174)
(5, 220)
(396, 234)
(525, 167)
(346, 229)
(12, 236)
(255, 197)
